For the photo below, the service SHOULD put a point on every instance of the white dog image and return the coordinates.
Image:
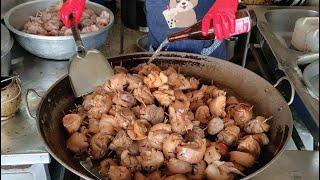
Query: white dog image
(180, 13)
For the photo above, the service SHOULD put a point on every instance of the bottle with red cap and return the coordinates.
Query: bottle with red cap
(246, 19)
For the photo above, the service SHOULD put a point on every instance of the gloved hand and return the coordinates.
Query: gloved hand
(222, 14)
(74, 7)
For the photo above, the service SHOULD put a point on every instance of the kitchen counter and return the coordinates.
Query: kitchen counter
(20, 141)
(277, 35)
(293, 165)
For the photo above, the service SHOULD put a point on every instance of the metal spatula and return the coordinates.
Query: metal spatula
(87, 165)
(87, 68)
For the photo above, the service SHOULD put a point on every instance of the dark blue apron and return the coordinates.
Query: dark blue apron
(159, 26)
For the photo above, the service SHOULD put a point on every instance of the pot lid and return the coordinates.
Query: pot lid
(6, 40)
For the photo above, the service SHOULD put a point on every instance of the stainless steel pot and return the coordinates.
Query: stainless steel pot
(6, 45)
(52, 47)
(266, 99)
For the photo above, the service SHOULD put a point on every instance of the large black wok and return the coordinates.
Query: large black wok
(266, 99)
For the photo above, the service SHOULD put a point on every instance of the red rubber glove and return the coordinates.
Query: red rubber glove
(74, 7)
(223, 15)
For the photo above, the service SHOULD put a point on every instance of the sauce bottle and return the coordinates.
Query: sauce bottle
(245, 20)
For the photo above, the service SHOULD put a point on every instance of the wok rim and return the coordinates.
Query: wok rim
(55, 38)
(182, 55)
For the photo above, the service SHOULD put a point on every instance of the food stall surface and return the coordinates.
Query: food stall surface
(293, 165)
(276, 26)
(20, 142)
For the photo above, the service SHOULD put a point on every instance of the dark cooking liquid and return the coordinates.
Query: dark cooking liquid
(157, 52)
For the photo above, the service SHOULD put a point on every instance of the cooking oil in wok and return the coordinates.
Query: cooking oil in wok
(157, 52)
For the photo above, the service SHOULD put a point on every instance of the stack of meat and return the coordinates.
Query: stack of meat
(154, 124)
(47, 22)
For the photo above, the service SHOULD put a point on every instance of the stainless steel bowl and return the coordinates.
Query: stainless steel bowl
(52, 47)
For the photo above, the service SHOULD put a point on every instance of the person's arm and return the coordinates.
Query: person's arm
(74, 7)
(222, 17)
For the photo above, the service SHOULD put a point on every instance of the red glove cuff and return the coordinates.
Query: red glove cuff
(221, 17)
(74, 7)
(226, 5)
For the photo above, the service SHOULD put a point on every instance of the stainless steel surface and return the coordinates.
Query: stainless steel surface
(287, 58)
(88, 68)
(25, 158)
(293, 165)
(303, 133)
(26, 172)
(266, 99)
(20, 140)
(6, 45)
(282, 23)
(311, 78)
(52, 47)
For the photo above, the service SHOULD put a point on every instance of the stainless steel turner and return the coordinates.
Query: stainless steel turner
(87, 68)
(87, 165)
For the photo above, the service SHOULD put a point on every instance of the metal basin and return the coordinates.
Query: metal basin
(52, 47)
(276, 24)
(282, 22)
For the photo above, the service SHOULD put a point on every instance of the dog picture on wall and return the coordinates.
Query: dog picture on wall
(180, 13)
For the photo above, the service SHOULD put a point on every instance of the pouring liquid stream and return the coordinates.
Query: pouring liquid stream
(157, 52)
(245, 19)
